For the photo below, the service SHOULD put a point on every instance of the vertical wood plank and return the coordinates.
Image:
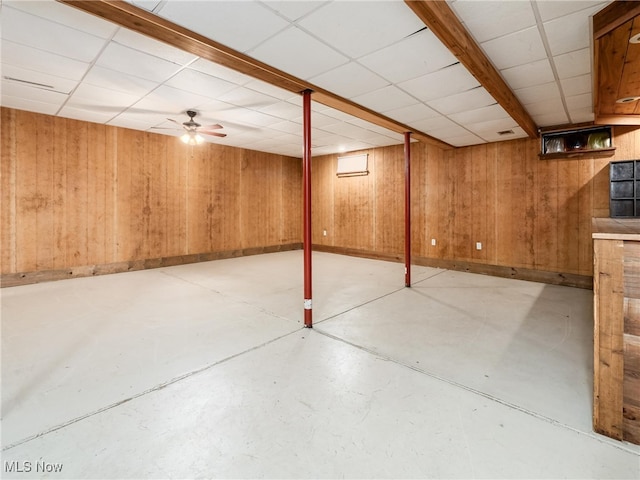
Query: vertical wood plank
(608, 343)
(26, 192)
(8, 170)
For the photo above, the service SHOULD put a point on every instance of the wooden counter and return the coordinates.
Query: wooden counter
(616, 289)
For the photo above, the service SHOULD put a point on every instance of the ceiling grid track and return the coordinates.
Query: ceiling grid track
(547, 48)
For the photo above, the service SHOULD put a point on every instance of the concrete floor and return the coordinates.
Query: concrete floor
(204, 371)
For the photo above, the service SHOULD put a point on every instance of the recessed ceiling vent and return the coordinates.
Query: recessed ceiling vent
(29, 83)
(506, 132)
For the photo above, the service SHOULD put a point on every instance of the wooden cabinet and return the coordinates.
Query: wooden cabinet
(624, 188)
(577, 142)
(616, 366)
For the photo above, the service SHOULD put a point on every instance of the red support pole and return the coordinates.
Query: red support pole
(407, 209)
(306, 177)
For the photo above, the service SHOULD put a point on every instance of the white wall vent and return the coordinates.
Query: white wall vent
(353, 165)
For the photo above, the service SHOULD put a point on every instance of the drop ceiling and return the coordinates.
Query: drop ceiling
(379, 55)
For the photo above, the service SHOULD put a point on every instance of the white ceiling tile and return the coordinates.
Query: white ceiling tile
(86, 115)
(268, 89)
(385, 99)
(198, 82)
(449, 132)
(573, 64)
(41, 61)
(528, 74)
(484, 114)
(18, 27)
(283, 110)
(153, 47)
(319, 120)
(383, 141)
(495, 137)
(412, 57)
(443, 83)
(128, 121)
(577, 85)
(103, 100)
(293, 10)
(120, 58)
(171, 100)
(358, 28)
(118, 81)
(488, 128)
(347, 130)
(486, 20)
(146, 4)
(219, 71)
(287, 126)
(470, 100)
(251, 117)
(298, 54)
(550, 9)
(538, 93)
(550, 119)
(349, 80)
(543, 107)
(12, 75)
(412, 113)
(578, 102)
(514, 49)
(434, 123)
(25, 103)
(464, 140)
(238, 25)
(569, 33)
(31, 93)
(65, 15)
(582, 115)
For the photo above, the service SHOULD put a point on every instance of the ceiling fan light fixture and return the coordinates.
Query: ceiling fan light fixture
(628, 99)
(635, 38)
(192, 138)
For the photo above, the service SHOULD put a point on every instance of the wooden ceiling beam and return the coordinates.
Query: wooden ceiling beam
(146, 23)
(614, 15)
(442, 21)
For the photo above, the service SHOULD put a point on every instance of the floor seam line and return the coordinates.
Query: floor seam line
(153, 389)
(492, 398)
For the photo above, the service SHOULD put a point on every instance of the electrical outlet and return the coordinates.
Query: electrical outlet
(433, 242)
(324, 233)
(478, 245)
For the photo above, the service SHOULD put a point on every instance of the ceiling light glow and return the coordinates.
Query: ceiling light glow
(192, 138)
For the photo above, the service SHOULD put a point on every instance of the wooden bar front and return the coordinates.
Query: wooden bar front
(616, 288)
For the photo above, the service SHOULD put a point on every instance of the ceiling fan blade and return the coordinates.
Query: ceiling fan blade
(212, 127)
(207, 131)
(214, 134)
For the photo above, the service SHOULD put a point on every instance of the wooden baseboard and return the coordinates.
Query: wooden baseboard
(552, 278)
(26, 278)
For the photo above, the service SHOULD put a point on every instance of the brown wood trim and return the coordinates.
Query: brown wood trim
(614, 15)
(552, 278)
(27, 278)
(633, 120)
(146, 23)
(438, 16)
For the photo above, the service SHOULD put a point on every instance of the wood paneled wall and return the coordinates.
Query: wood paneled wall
(527, 212)
(77, 193)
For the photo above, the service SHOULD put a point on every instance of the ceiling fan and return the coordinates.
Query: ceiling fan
(194, 129)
